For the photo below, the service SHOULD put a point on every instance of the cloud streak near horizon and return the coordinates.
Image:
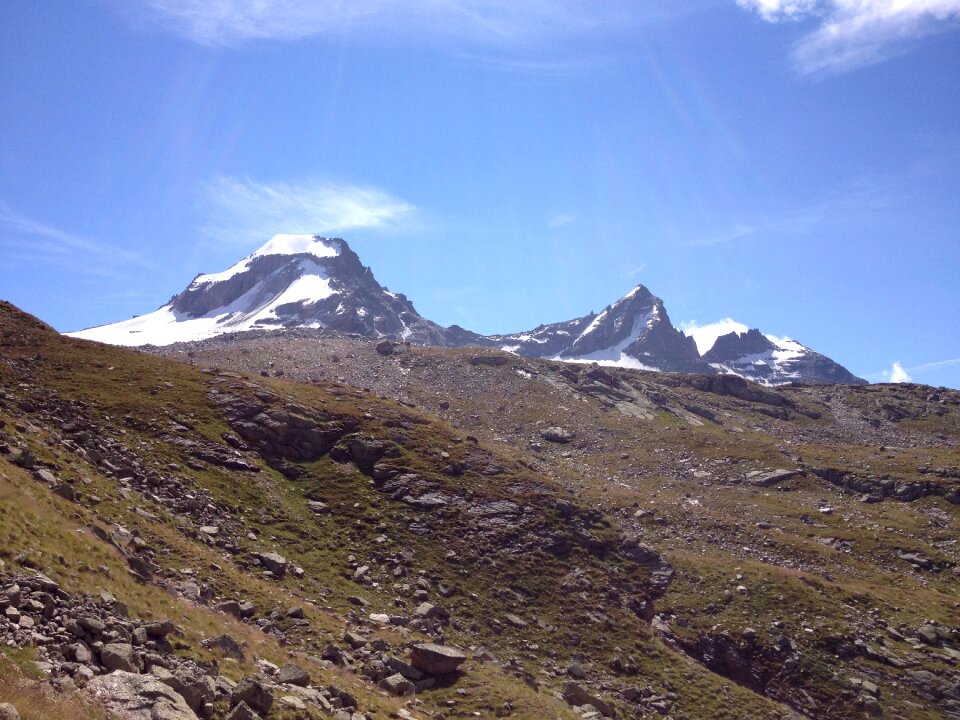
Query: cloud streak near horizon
(230, 22)
(243, 210)
(27, 239)
(856, 33)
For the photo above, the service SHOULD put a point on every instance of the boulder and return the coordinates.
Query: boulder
(138, 697)
(577, 697)
(242, 711)
(119, 656)
(291, 674)
(8, 712)
(226, 645)
(398, 685)
(274, 562)
(766, 479)
(193, 684)
(557, 434)
(159, 629)
(254, 693)
(436, 659)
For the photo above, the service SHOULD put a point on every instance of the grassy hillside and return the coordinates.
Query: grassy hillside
(415, 498)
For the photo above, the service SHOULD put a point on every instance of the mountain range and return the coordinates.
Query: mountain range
(304, 281)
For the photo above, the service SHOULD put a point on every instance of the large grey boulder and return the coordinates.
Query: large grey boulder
(291, 674)
(436, 659)
(274, 562)
(196, 687)
(119, 656)
(242, 711)
(138, 697)
(254, 693)
(578, 697)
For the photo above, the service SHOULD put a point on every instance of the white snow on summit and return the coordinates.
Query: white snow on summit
(277, 245)
(253, 310)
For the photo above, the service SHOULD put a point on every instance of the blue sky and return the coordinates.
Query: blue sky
(791, 164)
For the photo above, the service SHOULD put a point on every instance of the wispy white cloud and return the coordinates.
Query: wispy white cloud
(228, 22)
(706, 335)
(936, 365)
(854, 33)
(241, 211)
(866, 197)
(777, 10)
(28, 240)
(561, 219)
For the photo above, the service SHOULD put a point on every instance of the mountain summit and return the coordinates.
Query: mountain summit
(308, 281)
(771, 360)
(635, 331)
(292, 281)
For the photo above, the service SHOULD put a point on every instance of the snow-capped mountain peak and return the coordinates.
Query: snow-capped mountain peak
(635, 331)
(318, 247)
(292, 281)
(773, 360)
(308, 281)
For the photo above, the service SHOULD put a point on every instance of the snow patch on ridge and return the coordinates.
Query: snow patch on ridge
(277, 245)
(250, 311)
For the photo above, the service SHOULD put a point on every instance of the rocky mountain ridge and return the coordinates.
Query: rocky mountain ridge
(298, 281)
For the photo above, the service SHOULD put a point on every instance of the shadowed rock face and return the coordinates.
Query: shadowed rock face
(636, 326)
(358, 304)
(756, 357)
(733, 346)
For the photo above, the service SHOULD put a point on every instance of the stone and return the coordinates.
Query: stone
(291, 674)
(138, 697)
(398, 685)
(577, 696)
(436, 659)
(928, 634)
(293, 702)
(193, 684)
(384, 347)
(81, 653)
(226, 645)
(242, 711)
(766, 479)
(159, 629)
(254, 693)
(515, 620)
(66, 491)
(557, 434)
(247, 609)
(8, 712)
(119, 656)
(230, 607)
(274, 562)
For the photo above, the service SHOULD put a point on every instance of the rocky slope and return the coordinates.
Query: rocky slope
(576, 539)
(305, 282)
